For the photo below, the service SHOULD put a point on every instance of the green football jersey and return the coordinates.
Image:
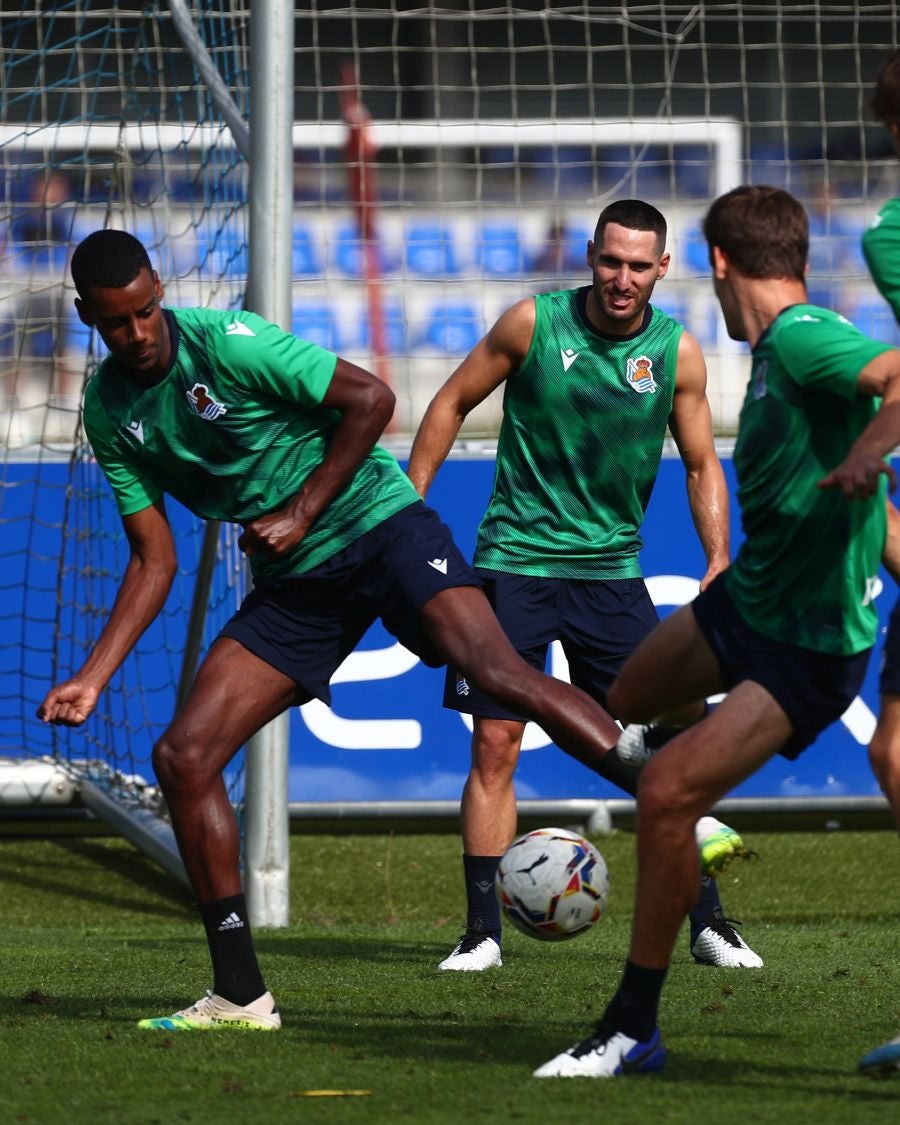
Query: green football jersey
(805, 570)
(881, 249)
(232, 431)
(584, 424)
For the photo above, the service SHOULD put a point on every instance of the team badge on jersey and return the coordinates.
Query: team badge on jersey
(203, 404)
(639, 375)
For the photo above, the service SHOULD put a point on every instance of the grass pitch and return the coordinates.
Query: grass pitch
(93, 937)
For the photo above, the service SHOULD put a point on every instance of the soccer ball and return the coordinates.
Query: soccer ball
(552, 884)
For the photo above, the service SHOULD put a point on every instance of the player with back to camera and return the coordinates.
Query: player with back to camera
(788, 642)
(243, 422)
(881, 248)
(593, 377)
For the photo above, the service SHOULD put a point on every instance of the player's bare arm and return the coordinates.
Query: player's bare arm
(691, 427)
(858, 476)
(487, 365)
(365, 404)
(142, 593)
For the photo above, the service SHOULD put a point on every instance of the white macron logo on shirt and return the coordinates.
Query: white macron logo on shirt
(438, 564)
(136, 429)
(568, 357)
(238, 328)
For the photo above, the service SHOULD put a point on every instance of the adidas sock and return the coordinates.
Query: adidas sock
(709, 906)
(236, 975)
(483, 909)
(633, 1010)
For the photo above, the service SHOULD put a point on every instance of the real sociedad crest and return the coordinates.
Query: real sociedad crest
(639, 375)
(203, 404)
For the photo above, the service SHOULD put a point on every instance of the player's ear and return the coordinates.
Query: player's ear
(663, 265)
(719, 261)
(84, 313)
(158, 286)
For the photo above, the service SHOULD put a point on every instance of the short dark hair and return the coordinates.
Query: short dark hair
(885, 103)
(111, 259)
(634, 214)
(764, 231)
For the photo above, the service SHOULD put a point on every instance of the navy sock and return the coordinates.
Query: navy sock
(236, 975)
(708, 906)
(483, 909)
(634, 1008)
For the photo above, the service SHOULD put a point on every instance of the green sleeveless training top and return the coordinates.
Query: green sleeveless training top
(805, 570)
(583, 429)
(881, 249)
(233, 430)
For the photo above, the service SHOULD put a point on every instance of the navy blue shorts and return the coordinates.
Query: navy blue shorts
(813, 688)
(889, 677)
(598, 623)
(306, 624)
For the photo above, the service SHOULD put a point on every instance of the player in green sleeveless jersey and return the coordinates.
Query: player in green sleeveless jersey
(243, 422)
(592, 377)
(787, 630)
(881, 248)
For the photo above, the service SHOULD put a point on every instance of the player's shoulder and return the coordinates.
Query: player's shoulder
(222, 324)
(887, 218)
(811, 320)
(226, 336)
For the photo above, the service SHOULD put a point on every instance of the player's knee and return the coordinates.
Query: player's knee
(179, 764)
(663, 796)
(495, 751)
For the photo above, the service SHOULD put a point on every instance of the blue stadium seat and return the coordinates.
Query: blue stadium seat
(305, 258)
(695, 172)
(430, 250)
(222, 252)
(394, 329)
(316, 321)
(453, 328)
(498, 252)
(77, 336)
(347, 253)
(693, 252)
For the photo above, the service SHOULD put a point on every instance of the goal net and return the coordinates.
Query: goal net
(448, 159)
(105, 122)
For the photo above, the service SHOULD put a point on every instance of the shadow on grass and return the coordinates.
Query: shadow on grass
(168, 898)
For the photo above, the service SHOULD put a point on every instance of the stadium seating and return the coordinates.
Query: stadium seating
(431, 250)
(316, 321)
(499, 251)
(452, 328)
(346, 253)
(394, 320)
(305, 257)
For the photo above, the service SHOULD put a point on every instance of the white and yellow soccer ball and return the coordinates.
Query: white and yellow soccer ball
(552, 884)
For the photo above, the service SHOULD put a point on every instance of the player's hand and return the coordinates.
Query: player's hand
(858, 477)
(68, 704)
(272, 534)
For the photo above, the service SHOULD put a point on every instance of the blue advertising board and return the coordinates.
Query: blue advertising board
(386, 736)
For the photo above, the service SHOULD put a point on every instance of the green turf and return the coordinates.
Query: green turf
(93, 937)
